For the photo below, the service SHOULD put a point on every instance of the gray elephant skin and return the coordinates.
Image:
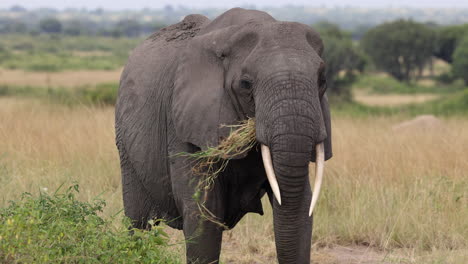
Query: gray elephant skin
(177, 90)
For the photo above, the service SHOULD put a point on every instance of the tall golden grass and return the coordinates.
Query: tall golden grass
(402, 193)
(44, 146)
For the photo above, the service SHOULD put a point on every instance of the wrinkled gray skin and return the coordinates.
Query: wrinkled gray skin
(176, 90)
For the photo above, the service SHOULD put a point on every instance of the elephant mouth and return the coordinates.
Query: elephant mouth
(319, 167)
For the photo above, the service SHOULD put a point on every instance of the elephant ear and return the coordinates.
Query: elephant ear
(327, 121)
(200, 104)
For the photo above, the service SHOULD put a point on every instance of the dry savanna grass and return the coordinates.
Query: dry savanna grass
(44, 146)
(392, 197)
(66, 79)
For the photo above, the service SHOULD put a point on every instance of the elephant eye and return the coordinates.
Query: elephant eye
(246, 84)
(322, 81)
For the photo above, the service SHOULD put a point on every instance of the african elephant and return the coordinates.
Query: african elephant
(177, 89)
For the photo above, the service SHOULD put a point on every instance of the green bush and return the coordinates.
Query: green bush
(103, 94)
(57, 228)
(460, 60)
(446, 78)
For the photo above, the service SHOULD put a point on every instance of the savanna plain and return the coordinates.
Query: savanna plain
(402, 193)
(389, 195)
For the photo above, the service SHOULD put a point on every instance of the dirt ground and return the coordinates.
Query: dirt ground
(352, 255)
(262, 251)
(392, 99)
(334, 255)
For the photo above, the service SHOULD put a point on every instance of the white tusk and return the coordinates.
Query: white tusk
(267, 163)
(319, 165)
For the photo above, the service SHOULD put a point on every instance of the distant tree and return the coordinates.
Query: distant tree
(359, 31)
(97, 11)
(401, 48)
(157, 26)
(13, 27)
(168, 8)
(329, 29)
(447, 40)
(149, 28)
(342, 59)
(18, 8)
(74, 28)
(129, 28)
(460, 60)
(50, 25)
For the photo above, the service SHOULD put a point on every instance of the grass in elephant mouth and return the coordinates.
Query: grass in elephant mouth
(212, 161)
(209, 163)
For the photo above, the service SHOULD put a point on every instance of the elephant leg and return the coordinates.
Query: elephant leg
(203, 238)
(138, 203)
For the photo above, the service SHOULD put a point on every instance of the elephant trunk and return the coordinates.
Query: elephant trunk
(290, 124)
(292, 224)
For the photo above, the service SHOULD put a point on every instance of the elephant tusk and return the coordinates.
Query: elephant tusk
(319, 165)
(267, 163)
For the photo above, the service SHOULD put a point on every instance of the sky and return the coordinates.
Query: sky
(139, 4)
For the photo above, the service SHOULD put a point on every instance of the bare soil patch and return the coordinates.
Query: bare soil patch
(353, 255)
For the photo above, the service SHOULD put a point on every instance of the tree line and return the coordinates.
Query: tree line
(401, 48)
(51, 25)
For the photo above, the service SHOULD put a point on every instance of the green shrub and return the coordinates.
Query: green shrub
(446, 78)
(460, 60)
(57, 228)
(103, 94)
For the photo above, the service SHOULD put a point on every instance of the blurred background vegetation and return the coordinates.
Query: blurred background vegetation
(407, 45)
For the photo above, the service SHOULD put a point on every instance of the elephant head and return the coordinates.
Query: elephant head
(250, 65)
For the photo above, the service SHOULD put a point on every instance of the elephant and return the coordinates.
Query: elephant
(181, 87)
